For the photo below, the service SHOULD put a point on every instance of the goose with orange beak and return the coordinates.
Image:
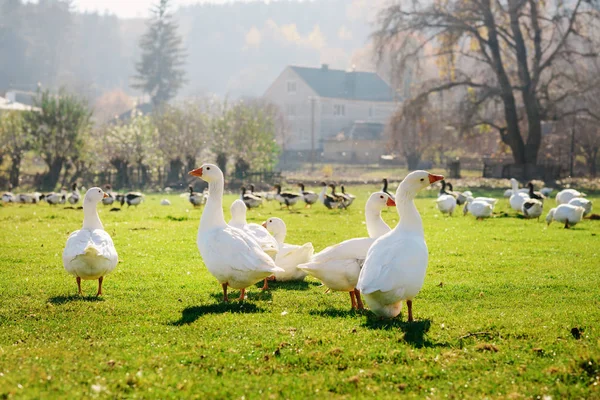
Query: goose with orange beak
(395, 267)
(230, 254)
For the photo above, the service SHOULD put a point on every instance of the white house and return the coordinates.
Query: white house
(318, 103)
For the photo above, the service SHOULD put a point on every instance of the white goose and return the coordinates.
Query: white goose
(90, 253)
(564, 196)
(396, 263)
(446, 204)
(581, 202)
(231, 255)
(532, 208)
(57, 198)
(479, 207)
(338, 266)
(75, 195)
(289, 255)
(567, 213)
(517, 198)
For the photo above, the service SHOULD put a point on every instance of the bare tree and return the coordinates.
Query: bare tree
(501, 55)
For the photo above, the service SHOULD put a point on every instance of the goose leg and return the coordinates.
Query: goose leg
(266, 285)
(352, 299)
(225, 299)
(359, 302)
(100, 286)
(78, 279)
(567, 224)
(242, 294)
(409, 306)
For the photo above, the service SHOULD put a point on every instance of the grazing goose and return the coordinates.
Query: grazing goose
(258, 232)
(479, 207)
(57, 198)
(446, 204)
(580, 202)
(9, 197)
(286, 198)
(533, 194)
(230, 255)
(195, 198)
(132, 199)
(309, 197)
(75, 195)
(249, 199)
(532, 208)
(165, 202)
(348, 196)
(289, 255)
(518, 198)
(90, 253)
(460, 197)
(338, 266)
(328, 200)
(111, 198)
(29, 198)
(567, 213)
(546, 191)
(394, 270)
(564, 196)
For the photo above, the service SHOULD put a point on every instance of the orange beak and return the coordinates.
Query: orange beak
(434, 178)
(390, 202)
(264, 224)
(197, 172)
(105, 195)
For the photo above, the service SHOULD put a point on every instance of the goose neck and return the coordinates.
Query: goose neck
(376, 226)
(212, 216)
(91, 220)
(410, 219)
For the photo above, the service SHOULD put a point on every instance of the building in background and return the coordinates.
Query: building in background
(319, 104)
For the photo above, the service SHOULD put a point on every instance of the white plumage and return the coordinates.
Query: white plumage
(568, 214)
(517, 198)
(289, 256)
(446, 204)
(564, 196)
(532, 208)
(581, 202)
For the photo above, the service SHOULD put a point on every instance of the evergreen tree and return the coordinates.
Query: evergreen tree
(160, 72)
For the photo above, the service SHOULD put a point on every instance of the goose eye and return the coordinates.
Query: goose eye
(208, 168)
(381, 197)
(422, 179)
(99, 191)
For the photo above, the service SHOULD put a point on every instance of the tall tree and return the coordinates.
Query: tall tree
(14, 142)
(160, 72)
(506, 54)
(58, 131)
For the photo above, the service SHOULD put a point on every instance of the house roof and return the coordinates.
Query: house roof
(352, 85)
(8, 105)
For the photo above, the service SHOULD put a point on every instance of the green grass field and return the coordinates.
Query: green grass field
(510, 309)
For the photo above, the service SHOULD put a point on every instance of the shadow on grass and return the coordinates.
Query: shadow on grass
(191, 314)
(414, 332)
(260, 295)
(58, 300)
(336, 313)
(291, 285)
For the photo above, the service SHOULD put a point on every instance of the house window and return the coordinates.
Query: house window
(290, 110)
(291, 87)
(339, 110)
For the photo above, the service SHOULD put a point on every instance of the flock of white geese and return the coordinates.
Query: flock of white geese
(386, 268)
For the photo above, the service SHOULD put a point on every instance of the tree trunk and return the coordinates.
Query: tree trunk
(15, 170)
(190, 163)
(222, 162)
(50, 178)
(590, 157)
(122, 178)
(174, 176)
(412, 159)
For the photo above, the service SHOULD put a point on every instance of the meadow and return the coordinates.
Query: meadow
(510, 309)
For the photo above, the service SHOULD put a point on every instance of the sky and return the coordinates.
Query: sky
(132, 8)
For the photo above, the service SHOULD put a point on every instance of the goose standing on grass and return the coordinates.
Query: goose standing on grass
(29, 198)
(517, 198)
(195, 198)
(567, 213)
(348, 196)
(75, 195)
(460, 197)
(446, 204)
(479, 207)
(57, 198)
(132, 199)
(532, 208)
(546, 191)
(338, 266)
(342, 201)
(328, 200)
(289, 255)
(90, 253)
(112, 197)
(286, 198)
(254, 193)
(565, 196)
(309, 197)
(230, 255)
(581, 202)
(394, 270)
(533, 194)
(9, 197)
(249, 199)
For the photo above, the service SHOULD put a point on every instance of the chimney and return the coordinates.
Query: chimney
(324, 67)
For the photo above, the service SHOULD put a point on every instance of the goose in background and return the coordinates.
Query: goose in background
(338, 266)
(395, 267)
(29, 198)
(517, 198)
(445, 202)
(90, 253)
(546, 191)
(328, 200)
(348, 196)
(57, 198)
(286, 198)
(9, 197)
(230, 255)
(565, 196)
(111, 198)
(132, 199)
(74, 197)
(581, 202)
(567, 213)
(309, 197)
(165, 202)
(342, 201)
(195, 198)
(249, 199)
(460, 197)
(479, 207)
(289, 256)
(532, 208)
(533, 194)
